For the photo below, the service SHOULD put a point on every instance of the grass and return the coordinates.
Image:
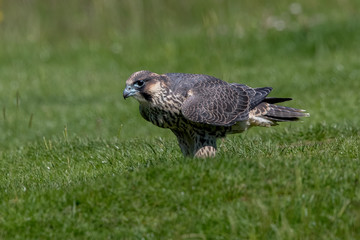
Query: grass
(78, 162)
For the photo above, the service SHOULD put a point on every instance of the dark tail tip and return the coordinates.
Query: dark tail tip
(285, 114)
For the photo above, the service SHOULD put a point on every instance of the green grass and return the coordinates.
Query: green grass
(78, 162)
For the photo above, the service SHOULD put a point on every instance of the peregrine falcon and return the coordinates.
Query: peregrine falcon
(199, 108)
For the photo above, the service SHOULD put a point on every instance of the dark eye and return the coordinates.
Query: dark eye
(139, 83)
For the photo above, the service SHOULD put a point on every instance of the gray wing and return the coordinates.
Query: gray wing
(258, 95)
(213, 101)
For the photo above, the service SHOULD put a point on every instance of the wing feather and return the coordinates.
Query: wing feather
(213, 101)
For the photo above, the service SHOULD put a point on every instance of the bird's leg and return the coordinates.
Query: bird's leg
(184, 148)
(205, 146)
(185, 143)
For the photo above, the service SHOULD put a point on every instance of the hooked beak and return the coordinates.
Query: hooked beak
(129, 91)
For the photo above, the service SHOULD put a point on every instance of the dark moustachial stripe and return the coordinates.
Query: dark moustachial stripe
(147, 96)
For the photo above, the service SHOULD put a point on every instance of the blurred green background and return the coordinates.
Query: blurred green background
(78, 162)
(64, 63)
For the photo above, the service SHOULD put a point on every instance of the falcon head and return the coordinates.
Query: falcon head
(144, 85)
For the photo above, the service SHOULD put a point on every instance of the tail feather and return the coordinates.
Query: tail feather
(282, 119)
(284, 113)
(275, 113)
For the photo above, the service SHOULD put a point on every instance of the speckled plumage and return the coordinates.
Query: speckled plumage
(199, 108)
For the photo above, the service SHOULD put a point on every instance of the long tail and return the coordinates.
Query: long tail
(268, 114)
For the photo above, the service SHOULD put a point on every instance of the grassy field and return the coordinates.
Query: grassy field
(78, 162)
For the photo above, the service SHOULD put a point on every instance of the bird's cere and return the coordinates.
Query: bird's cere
(129, 91)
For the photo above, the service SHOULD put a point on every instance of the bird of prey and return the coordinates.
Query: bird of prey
(199, 108)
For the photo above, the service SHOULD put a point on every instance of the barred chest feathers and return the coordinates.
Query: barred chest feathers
(163, 110)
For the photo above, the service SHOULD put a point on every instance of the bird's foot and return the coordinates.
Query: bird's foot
(205, 152)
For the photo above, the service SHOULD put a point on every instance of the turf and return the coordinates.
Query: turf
(78, 162)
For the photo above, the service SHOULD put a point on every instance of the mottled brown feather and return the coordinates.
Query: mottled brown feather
(215, 102)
